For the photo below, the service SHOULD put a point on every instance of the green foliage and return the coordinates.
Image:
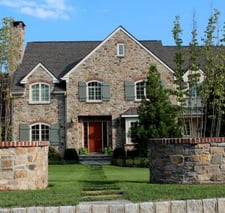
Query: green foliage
(54, 155)
(157, 115)
(83, 151)
(138, 162)
(213, 87)
(71, 155)
(119, 153)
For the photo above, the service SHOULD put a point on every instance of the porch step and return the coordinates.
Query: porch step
(95, 158)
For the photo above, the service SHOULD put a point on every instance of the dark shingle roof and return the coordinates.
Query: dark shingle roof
(60, 57)
(57, 57)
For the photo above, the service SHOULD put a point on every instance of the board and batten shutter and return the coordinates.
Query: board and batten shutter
(82, 94)
(24, 132)
(105, 91)
(54, 134)
(129, 90)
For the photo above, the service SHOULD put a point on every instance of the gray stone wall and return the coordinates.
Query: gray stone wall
(177, 206)
(198, 160)
(104, 65)
(23, 165)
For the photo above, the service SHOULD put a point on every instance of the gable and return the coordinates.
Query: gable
(43, 68)
(114, 35)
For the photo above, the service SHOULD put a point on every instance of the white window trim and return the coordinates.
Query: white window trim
(135, 90)
(87, 92)
(128, 122)
(118, 50)
(40, 136)
(39, 101)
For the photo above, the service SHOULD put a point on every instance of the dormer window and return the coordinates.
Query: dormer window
(120, 50)
(39, 93)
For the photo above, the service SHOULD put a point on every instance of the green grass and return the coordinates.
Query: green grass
(67, 182)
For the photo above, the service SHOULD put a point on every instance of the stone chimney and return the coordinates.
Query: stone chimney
(17, 49)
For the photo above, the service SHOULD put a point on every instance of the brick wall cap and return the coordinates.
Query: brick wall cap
(4, 144)
(187, 140)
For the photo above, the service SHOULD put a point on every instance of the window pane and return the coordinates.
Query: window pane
(35, 92)
(120, 49)
(140, 90)
(44, 133)
(40, 132)
(44, 92)
(94, 91)
(35, 133)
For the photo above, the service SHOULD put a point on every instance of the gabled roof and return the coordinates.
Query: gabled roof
(60, 57)
(54, 79)
(120, 28)
(57, 57)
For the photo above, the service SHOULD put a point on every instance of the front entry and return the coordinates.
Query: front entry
(95, 136)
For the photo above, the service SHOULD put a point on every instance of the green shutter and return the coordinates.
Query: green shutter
(54, 134)
(82, 91)
(24, 131)
(105, 91)
(129, 90)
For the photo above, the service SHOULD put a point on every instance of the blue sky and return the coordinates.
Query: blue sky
(82, 20)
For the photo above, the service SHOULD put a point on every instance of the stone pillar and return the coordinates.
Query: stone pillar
(23, 165)
(187, 160)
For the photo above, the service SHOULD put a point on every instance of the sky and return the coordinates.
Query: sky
(94, 20)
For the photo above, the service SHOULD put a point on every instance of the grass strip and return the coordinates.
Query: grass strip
(97, 187)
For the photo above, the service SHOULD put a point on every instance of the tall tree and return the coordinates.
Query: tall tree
(213, 87)
(157, 115)
(9, 56)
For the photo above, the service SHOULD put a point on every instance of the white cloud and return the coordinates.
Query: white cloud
(54, 9)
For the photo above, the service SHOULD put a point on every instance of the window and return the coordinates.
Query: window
(195, 90)
(130, 122)
(94, 90)
(120, 50)
(40, 93)
(187, 129)
(140, 91)
(40, 132)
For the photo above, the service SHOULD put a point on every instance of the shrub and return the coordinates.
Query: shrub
(71, 155)
(136, 162)
(132, 153)
(119, 153)
(54, 155)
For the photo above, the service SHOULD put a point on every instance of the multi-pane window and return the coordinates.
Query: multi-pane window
(120, 50)
(140, 91)
(40, 93)
(94, 90)
(40, 132)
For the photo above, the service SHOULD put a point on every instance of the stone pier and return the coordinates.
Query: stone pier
(23, 165)
(187, 160)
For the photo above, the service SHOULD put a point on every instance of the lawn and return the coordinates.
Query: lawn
(66, 183)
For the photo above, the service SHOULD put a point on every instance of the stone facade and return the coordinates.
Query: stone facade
(67, 112)
(105, 66)
(25, 112)
(23, 165)
(187, 160)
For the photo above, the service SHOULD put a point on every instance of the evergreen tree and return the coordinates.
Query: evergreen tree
(157, 115)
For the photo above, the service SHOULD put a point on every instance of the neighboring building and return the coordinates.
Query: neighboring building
(85, 93)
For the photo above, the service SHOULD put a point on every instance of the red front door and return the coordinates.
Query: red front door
(95, 137)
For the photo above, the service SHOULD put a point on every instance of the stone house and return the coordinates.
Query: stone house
(85, 94)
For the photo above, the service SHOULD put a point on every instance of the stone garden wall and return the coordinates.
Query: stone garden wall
(23, 165)
(176, 206)
(187, 160)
